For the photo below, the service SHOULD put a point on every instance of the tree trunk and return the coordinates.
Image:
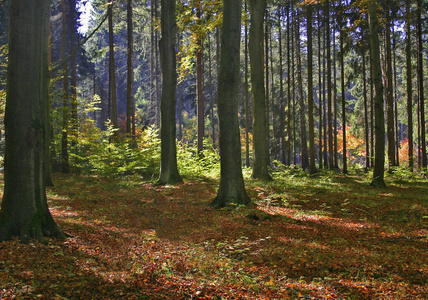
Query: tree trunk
(168, 169)
(260, 168)
(246, 88)
(366, 115)
(24, 210)
(379, 168)
(199, 80)
(342, 85)
(281, 91)
(231, 188)
(112, 73)
(409, 85)
(421, 86)
(73, 98)
(130, 105)
(329, 90)
(312, 168)
(302, 110)
(320, 107)
(65, 165)
(389, 93)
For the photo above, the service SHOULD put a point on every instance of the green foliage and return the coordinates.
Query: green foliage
(100, 153)
(206, 164)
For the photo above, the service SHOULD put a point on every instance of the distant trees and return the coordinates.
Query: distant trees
(312, 73)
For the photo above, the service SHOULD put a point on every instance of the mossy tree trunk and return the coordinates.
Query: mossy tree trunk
(231, 188)
(24, 210)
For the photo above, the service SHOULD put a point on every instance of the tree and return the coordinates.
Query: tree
(168, 170)
(312, 168)
(112, 74)
(231, 188)
(409, 85)
(65, 166)
(379, 167)
(130, 106)
(24, 210)
(260, 168)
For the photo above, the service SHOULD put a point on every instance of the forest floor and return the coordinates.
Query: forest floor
(322, 237)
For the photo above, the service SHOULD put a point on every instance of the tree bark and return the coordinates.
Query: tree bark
(168, 169)
(379, 167)
(24, 209)
(199, 80)
(421, 86)
(231, 188)
(260, 168)
(389, 93)
(409, 86)
(130, 105)
(112, 73)
(312, 168)
(65, 165)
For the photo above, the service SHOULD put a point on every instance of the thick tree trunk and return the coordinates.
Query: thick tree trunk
(379, 167)
(231, 188)
(168, 169)
(260, 168)
(24, 210)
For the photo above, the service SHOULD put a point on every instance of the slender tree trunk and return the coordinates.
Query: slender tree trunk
(246, 88)
(153, 111)
(289, 133)
(421, 86)
(302, 114)
(281, 91)
(231, 188)
(65, 165)
(379, 168)
(130, 105)
(409, 86)
(389, 93)
(199, 80)
(329, 89)
(320, 86)
(312, 168)
(112, 69)
(366, 116)
(168, 168)
(260, 168)
(73, 98)
(342, 85)
(24, 209)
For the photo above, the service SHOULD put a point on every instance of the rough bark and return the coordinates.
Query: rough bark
(24, 210)
(168, 169)
(260, 168)
(379, 167)
(231, 188)
(312, 168)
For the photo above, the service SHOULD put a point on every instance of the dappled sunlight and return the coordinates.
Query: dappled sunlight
(301, 215)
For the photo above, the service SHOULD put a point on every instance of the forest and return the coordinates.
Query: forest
(195, 149)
